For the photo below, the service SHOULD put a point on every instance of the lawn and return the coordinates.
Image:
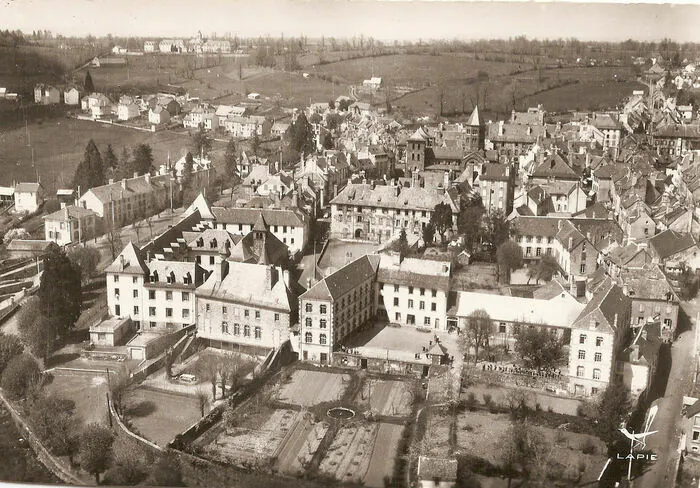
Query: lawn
(436, 440)
(386, 397)
(308, 388)
(383, 454)
(160, 416)
(87, 390)
(587, 95)
(59, 145)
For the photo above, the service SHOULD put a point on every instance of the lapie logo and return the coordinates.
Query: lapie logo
(638, 440)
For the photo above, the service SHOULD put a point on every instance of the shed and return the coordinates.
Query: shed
(437, 472)
(147, 345)
(111, 332)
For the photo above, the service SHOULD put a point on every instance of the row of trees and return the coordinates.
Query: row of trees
(96, 169)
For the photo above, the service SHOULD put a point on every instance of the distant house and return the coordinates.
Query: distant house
(24, 248)
(127, 111)
(158, 115)
(254, 96)
(112, 332)
(46, 94)
(166, 101)
(246, 127)
(119, 50)
(64, 196)
(7, 194)
(97, 104)
(374, 83)
(279, 129)
(437, 473)
(28, 197)
(70, 224)
(172, 46)
(149, 47)
(71, 96)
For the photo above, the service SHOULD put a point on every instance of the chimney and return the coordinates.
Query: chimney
(221, 270)
(295, 198)
(571, 242)
(63, 204)
(308, 283)
(147, 178)
(111, 180)
(446, 180)
(121, 262)
(136, 174)
(508, 171)
(500, 126)
(396, 258)
(285, 276)
(124, 183)
(271, 276)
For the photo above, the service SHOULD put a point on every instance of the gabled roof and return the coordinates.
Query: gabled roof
(604, 310)
(129, 261)
(419, 135)
(495, 172)
(670, 242)
(337, 284)
(474, 117)
(555, 166)
(250, 216)
(27, 187)
(68, 213)
(569, 236)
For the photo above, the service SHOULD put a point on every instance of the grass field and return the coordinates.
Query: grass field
(87, 390)
(160, 416)
(587, 95)
(308, 388)
(59, 146)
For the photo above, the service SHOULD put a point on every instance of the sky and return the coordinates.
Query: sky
(381, 19)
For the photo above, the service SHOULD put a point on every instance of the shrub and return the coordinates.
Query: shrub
(560, 438)
(487, 399)
(589, 447)
(538, 407)
(580, 411)
(470, 402)
(20, 375)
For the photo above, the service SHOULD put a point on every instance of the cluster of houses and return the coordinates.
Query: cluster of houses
(195, 45)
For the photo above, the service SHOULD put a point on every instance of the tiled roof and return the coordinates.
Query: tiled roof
(397, 197)
(670, 242)
(27, 187)
(69, 212)
(115, 191)
(250, 216)
(474, 118)
(650, 284)
(495, 172)
(129, 261)
(29, 245)
(419, 273)
(178, 269)
(516, 133)
(434, 468)
(536, 226)
(345, 279)
(605, 310)
(419, 135)
(555, 166)
(448, 153)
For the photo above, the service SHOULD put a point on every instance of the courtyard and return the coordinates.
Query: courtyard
(159, 416)
(87, 389)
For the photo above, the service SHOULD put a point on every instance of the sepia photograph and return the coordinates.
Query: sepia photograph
(349, 243)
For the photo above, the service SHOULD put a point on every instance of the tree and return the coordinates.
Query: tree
(166, 472)
(37, 331)
(538, 347)
(90, 172)
(478, 331)
(114, 237)
(612, 410)
(543, 270)
(255, 142)
(403, 242)
(120, 389)
(497, 228)
(344, 104)
(187, 171)
(20, 375)
(52, 419)
(509, 256)
(202, 400)
(88, 84)
(523, 449)
(470, 224)
(125, 166)
(110, 162)
(302, 135)
(16, 233)
(143, 160)
(10, 346)
(441, 219)
(60, 291)
(96, 449)
(231, 160)
(208, 370)
(86, 260)
(428, 234)
(201, 143)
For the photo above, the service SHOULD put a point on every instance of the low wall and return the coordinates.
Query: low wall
(391, 366)
(45, 457)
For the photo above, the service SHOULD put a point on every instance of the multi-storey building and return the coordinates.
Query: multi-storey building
(70, 224)
(413, 292)
(335, 307)
(246, 305)
(497, 187)
(380, 212)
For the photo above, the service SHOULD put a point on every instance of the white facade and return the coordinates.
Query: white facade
(127, 111)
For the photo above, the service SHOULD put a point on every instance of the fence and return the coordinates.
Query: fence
(44, 456)
(525, 379)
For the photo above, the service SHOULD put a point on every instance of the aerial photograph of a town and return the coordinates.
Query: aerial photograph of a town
(358, 243)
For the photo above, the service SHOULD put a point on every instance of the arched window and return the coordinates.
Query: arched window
(308, 338)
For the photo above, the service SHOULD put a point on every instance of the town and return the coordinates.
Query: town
(223, 264)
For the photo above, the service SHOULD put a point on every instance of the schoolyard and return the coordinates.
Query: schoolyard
(159, 416)
(308, 388)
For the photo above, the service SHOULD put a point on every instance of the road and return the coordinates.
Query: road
(665, 442)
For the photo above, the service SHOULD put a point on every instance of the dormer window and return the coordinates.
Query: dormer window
(171, 277)
(212, 244)
(154, 277)
(200, 242)
(187, 279)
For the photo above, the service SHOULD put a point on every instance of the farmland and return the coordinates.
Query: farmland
(59, 145)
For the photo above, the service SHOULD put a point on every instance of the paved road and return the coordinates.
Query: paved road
(665, 442)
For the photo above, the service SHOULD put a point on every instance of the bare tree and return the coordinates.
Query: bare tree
(114, 238)
(208, 370)
(476, 333)
(202, 400)
(120, 389)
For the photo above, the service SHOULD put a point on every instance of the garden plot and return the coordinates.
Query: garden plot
(309, 388)
(300, 445)
(436, 439)
(386, 397)
(383, 455)
(255, 443)
(348, 458)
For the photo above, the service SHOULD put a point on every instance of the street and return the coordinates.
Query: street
(664, 443)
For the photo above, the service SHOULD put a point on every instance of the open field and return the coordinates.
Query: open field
(160, 416)
(386, 397)
(308, 388)
(382, 462)
(587, 95)
(59, 146)
(348, 457)
(87, 390)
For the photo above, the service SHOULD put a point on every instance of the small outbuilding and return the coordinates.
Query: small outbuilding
(111, 332)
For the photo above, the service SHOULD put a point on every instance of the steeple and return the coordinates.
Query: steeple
(474, 119)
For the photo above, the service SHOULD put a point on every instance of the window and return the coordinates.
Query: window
(236, 329)
(410, 290)
(434, 293)
(323, 309)
(422, 291)
(116, 292)
(396, 301)
(598, 357)
(410, 303)
(594, 391)
(185, 313)
(258, 333)
(528, 251)
(396, 288)
(322, 323)
(582, 339)
(136, 310)
(309, 322)
(426, 321)
(152, 325)
(246, 312)
(309, 307)
(596, 374)
(696, 435)
(308, 338)
(581, 354)
(151, 294)
(151, 311)
(398, 317)
(117, 310)
(502, 328)
(135, 279)
(538, 251)
(116, 279)
(168, 295)
(136, 293)
(185, 296)
(598, 341)
(207, 307)
(277, 317)
(246, 330)
(322, 339)
(580, 371)
(211, 260)
(257, 314)
(168, 312)
(224, 327)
